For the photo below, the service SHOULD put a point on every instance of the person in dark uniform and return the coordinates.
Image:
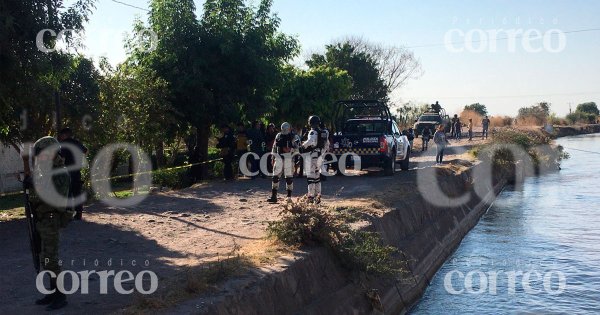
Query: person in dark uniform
(286, 144)
(426, 137)
(73, 151)
(227, 144)
(453, 126)
(52, 212)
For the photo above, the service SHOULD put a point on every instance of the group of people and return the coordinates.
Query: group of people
(312, 142)
(440, 138)
(457, 124)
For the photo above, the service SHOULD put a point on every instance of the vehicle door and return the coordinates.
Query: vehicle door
(396, 138)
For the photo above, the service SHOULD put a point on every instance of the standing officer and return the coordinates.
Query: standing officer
(286, 143)
(49, 201)
(65, 136)
(315, 145)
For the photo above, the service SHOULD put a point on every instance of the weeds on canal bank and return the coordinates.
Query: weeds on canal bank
(510, 146)
(307, 224)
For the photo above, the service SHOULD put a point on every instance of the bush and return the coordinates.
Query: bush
(307, 224)
(534, 143)
(582, 117)
(176, 179)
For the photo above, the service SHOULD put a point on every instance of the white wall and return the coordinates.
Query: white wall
(11, 164)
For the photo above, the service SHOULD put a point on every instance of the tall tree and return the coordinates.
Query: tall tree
(589, 108)
(396, 64)
(220, 68)
(311, 92)
(367, 81)
(29, 77)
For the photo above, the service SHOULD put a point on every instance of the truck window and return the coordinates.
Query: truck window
(430, 118)
(362, 127)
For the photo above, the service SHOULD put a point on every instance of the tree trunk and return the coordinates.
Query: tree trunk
(160, 154)
(200, 172)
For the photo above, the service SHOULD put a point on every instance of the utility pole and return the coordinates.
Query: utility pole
(570, 111)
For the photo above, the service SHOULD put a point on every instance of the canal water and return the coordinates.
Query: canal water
(536, 250)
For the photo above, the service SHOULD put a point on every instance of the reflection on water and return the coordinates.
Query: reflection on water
(536, 251)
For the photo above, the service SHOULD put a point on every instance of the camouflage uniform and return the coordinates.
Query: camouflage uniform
(50, 218)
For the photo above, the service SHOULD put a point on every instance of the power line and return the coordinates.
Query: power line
(514, 96)
(130, 5)
(498, 39)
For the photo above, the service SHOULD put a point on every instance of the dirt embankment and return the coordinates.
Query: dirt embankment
(313, 282)
(567, 131)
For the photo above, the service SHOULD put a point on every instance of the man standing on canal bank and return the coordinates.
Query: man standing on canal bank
(441, 142)
(48, 201)
(486, 127)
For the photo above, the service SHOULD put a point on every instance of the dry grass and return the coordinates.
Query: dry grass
(500, 121)
(470, 114)
(530, 121)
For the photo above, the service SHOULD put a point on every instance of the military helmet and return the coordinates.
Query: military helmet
(314, 121)
(44, 143)
(286, 128)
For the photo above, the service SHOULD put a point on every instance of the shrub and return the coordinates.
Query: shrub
(581, 117)
(176, 179)
(534, 143)
(307, 224)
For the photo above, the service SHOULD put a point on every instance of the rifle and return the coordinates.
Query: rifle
(35, 242)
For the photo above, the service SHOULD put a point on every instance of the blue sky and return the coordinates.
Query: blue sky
(504, 80)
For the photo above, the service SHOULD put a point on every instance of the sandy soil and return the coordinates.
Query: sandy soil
(172, 231)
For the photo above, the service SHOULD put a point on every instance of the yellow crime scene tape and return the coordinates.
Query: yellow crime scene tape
(160, 170)
(135, 174)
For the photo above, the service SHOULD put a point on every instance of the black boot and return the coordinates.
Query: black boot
(49, 297)
(78, 216)
(59, 300)
(289, 194)
(273, 198)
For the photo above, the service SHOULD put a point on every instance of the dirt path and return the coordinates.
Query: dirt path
(172, 231)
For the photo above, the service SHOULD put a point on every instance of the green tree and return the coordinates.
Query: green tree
(221, 68)
(589, 108)
(30, 77)
(478, 108)
(135, 109)
(367, 81)
(309, 92)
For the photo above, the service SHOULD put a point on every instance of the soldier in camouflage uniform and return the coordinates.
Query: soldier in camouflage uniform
(52, 213)
(285, 145)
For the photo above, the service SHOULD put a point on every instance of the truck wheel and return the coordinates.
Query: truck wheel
(336, 168)
(404, 164)
(390, 166)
